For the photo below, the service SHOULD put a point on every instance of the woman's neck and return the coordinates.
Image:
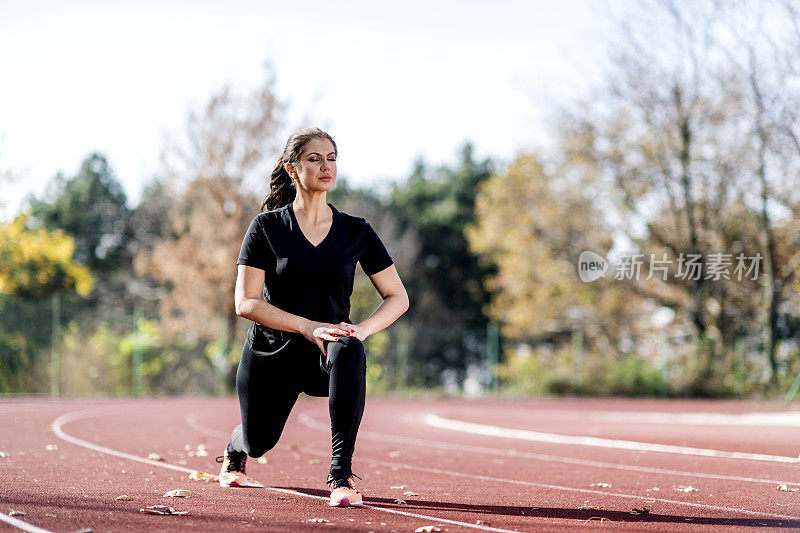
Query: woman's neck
(312, 207)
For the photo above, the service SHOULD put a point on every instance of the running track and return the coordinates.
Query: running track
(538, 465)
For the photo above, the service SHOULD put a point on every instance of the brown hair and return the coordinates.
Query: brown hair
(281, 185)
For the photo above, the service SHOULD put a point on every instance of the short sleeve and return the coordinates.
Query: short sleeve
(375, 256)
(254, 246)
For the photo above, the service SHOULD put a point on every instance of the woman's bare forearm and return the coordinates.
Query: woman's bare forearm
(266, 314)
(270, 316)
(385, 314)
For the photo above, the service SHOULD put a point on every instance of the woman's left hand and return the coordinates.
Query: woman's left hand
(354, 330)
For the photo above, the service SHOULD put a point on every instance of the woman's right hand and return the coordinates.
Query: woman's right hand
(319, 332)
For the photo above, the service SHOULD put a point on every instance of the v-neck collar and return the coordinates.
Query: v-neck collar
(302, 235)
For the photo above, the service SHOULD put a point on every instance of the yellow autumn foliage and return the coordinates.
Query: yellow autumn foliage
(38, 262)
(532, 223)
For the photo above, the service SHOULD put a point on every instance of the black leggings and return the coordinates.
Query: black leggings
(268, 387)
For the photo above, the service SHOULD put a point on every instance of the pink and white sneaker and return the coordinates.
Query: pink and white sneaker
(232, 472)
(343, 493)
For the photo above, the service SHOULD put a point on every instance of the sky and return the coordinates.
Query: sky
(392, 82)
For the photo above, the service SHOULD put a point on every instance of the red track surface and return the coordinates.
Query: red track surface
(464, 481)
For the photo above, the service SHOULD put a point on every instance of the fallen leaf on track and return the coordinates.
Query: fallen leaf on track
(200, 452)
(601, 518)
(409, 493)
(398, 501)
(588, 508)
(319, 520)
(180, 493)
(785, 488)
(123, 498)
(161, 509)
(199, 475)
(643, 510)
(687, 488)
(14, 512)
(601, 484)
(155, 457)
(427, 529)
(51, 448)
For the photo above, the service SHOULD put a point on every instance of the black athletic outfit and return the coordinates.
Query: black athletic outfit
(314, 282)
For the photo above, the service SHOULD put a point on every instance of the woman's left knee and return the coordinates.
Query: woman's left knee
(350, 349)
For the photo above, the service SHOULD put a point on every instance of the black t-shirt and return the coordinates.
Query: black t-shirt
(314, 282)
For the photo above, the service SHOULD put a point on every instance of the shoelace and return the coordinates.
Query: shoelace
(341, 482)
(234, 465)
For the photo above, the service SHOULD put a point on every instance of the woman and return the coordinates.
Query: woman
(302, 252)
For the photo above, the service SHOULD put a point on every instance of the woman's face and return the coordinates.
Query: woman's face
(316, 168)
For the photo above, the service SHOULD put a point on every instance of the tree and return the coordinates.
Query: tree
(7, 176)
(34, 264)
(683, 136)
(193, 262)
(91, 207)
(445, 284)
(547, 219)
(764, 70)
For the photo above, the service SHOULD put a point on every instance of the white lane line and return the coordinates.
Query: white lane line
(22, 525)
(403, 513)
(547, 485)
(59, 422)
(191, 421)
(434, 420)
(777, 419)
(309, 421)
(561, 487)
(66, 418)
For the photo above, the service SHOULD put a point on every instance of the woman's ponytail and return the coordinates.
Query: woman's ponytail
(281, 188)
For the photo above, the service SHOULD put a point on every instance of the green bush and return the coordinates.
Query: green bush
(562, 372)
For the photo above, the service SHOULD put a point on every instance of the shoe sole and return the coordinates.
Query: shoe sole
(346, 503)
(236, 484)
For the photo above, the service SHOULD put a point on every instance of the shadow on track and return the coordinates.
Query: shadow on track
(583, 515)
(102, 513)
